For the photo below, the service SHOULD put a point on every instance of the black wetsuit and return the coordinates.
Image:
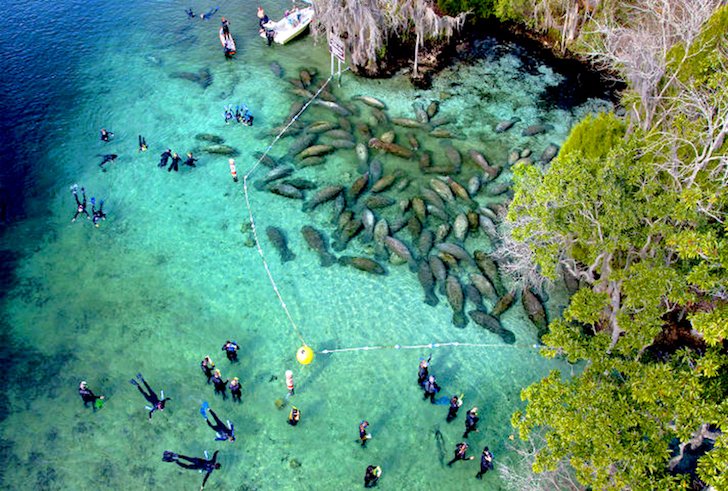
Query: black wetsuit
(190, 161)
(220, 386)
(142, 143)
(363, 436)
(99, 214)
(223, 431)
(460, 450)
(87, 395)
(165, 158)
(452, 412)
(175, 163)
(370, 477)
(294, 417)
(151, 396)
(190, 13)
(80, 204)
(197, 464)
(231, 351)
(226, 28)
(207, 369)
(486, 463)
(269, 33)
(106, 135)
(431, 388)
(471, 423)
(237, 391)
(423, 373)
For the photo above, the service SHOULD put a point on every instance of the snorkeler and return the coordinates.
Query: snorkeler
(190, 160)
(372, 475)
(165, 158)
(175, 162)
(109, 157)
(190, 13)
(471, 422)
(231, 350)
(142, 144)
(195, 463)
(452, 412)
(294, 416)
(106, 135)
(207, 366)
(236, 389)
(423, 371)
(223, 431)
(207, 15)
(99, 214)
(486, 463)
(247, 119)
(238, 114)
(363, 435)
(460, 450)
(219, 383)
(80, 204)
(87, 395)
(151, 397)
(228, 114)
(431, 388)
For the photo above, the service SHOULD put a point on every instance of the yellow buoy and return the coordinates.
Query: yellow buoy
(304, 355)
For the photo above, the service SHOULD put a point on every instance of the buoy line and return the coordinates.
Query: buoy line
(429, 346)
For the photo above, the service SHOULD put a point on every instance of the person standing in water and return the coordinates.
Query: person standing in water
(471, 422)
(164, 158)
(486, 463)
(220, 384)
(363, 435)
(236, 389)
(207, 366)
(195, 463)
(190, 160)
(431, 389)
(424, 371)
(225, 28)
(452, 412)
(80, 204)
(231, 350)
(460, 450)
(175, 162)
(150, 396)
(87, 395)
(372, 475)
(294, 416)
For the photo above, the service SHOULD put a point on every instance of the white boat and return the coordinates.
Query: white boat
(290, 26)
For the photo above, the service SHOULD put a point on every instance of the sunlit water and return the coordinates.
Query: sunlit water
(167, 278)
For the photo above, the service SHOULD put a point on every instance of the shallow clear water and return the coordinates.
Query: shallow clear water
(167, 278)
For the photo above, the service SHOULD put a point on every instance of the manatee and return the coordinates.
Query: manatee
(368, 220)
(420, 113)
(345, 124)
(439, 271)
(300, 183)
(305, 77)
(536, 129)
(441, 448)
(357, 187)
(459, 191)
(489, 170)
(387, 137)
(318, 127)
(443, 190)
(506, 125)
(363, 264)
(549, 153)
(402, 184)
(364, 130)
(455, 251)
(473, 220)
(414, 227)
(322, 196)
(333, 106)
(338, 208)
(311, 162)
(413, 143)
(203, 77)
(487, 321)
(499, 188)
(488, 227)
(425, 242)
(391, 148)
(504, 303)
(489, 268)
(441, 233)
(427, 280)
(370, 101)
(316, 240)
(343, 144)
(513, 156)
(460, 227)
(407, 123)
(286, 190)
(278, 238)
(397, 247)
(418, 206)
(209, 137)
(381, 231)
(384, 183)
(315, 151)
(338, 134)
(221, 150)
(441, 121)
(380, 116)
(455, 297)
(473, 185)
(274, 175)
(525, 153)
(453, 155)
(398, 223)
(432, 198)
(362, 153)
(535, 311)
(276, 69)
(432, 109)
(472, 294)
(375, 170)
(484, 286)
(345, 233)
(444, 133)
(301, 143)
(266, 159)
(379, 201)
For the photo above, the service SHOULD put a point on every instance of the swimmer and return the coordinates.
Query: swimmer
(195, 463)
(151, 397)
(106, 135)
(236, 389)
(190, 13)
(99, 214)
(109, 157)
(223, 431)
(228, 114)
(294, 416)
(247, 119)
(220, 384)
(207, 366)
(460, 450)
(207, 15)
(371, 476)
(231, 350)
(190, 160)
(486, 463)
(452, 412)
(363, 435)
(175, 162)
(165, 156)
(238, 114)
(142, 144)
(87, 395)
(471, 422)
(80, 204)
(431, 388)
(424, 371)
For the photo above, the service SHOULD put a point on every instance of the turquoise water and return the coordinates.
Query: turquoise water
(168, 277)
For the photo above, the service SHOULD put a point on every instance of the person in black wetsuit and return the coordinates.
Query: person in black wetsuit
(294, 416)
(190, 160)
(231, 350)
(225, 27)
(207, 366)
(190, 13)
(363, 435)
(471, 422)
(486, 463)
(106, 135)
(423, 372)
(87, 395)
(175, 162)
(99, 214)
(452, 412)
(195, 463)
(236, 389)
(142, 144)
(165, 156)
(431, 388)
(207, 15)
(371, 476)
(460, 450)
(224, 431)
(219, 383)
(151, 396)
(80, 204)
(263, 19)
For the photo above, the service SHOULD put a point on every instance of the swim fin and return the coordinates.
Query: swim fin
(203, 409)
(133, 382)
(168, 456)
(99, 403)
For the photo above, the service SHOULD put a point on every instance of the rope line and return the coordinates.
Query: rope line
(253, 228)
(430, 346)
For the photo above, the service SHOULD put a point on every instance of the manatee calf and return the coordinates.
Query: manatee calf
(427, 280)
(363, 264)
(535, 311)
(322, 196)
(397, 247)
(503, 304)
(316, 240)
(384, 183)
(536, 129)
(278, 238)
(286, 190)
(454, 292)
(506, 125)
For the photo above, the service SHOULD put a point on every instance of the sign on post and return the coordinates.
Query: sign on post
(336, 46)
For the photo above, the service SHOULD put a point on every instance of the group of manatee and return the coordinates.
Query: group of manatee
(418, 197)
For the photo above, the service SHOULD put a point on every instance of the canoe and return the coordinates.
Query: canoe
(228, 44)
(290, 26)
